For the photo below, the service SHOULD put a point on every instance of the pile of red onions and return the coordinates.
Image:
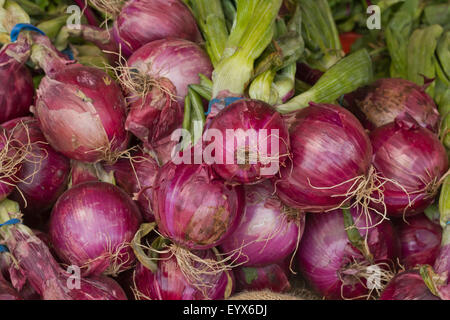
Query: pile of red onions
(142, 21)
(272, 277)
(157, 82)
(420, 241)
(170, 283)
(81, 110)
(258, 145)
(332, 265)
(136, 176)
(91, 226)
(410, 160)
(268, 231)
(330, 150)
(16, 87)
(44, 172)
(193, 208)
(386, 99)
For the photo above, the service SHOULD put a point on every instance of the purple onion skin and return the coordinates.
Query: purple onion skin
(92, 221)
(81, 111)
(193, 208)
(246, 115)
(325, 252)
(99, 288)
(407, 285)
(7, 292)
(265, 235)
(16, 87)
(271, 277)
(413, 157)
(144, 21)
(43, 175)
(137, 182)
(329, 148)
(169, 283)
(174, 64)
(420, 241)
(386, 99)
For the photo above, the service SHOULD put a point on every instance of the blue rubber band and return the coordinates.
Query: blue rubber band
(10, 222)
(68, 52)
(448, 222)
(3, 248)
(23, 26)
(227, 101)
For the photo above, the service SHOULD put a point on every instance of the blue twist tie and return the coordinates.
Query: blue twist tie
(227, 101)
(23, 26)
(3, 249)
(10, 222)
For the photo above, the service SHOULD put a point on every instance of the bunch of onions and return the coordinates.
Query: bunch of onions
(44, 172)
(268, 231)
(334, 267)
(411, 161)
(156, 78)
(16, 88)
(169, 282)
(407, 285)
(331, 156)
(39, 268)
(81, 110)
(91, 226)
(136, 176)
(139, 22)
(272, 277)
(420, 241)
(386, 99)
(259, 144)
(193, 208)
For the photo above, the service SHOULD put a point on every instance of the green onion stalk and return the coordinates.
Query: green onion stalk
(350, 73)
(10, 15)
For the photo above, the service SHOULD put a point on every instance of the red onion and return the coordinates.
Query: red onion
(91, 226)
(258, 146)
(411, 160)
(333, 266)
(81, 110)
(442, 265)
(142, 21)
(170, 283)
(136, 176)
(16, 87)
(330, 153)
(268, 231)
(193, 208)
(44, 172)
(271, 277)
(407, 285)
(35, 264)
(157, 79)
(420, 241)
(386, 99)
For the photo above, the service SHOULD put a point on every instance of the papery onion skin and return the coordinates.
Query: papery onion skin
(169, 283)
(91, 226)
(271, 277)
(143, 21)
(81, 111)
(44, 173)
(137, 176)
(325, 252)
(16, 87)
(266, 233)
(6, 182)
(329, 148)
(7, 292)
(385, 99)
(172, 64)
(414, 158)
(407, 285)
(193, 208)
(420, 241)
(245, 117)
